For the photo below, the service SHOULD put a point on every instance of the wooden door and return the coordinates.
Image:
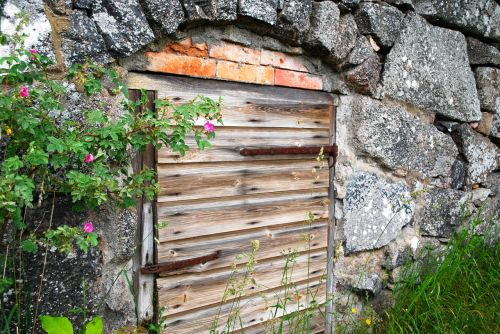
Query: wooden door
(217, 200)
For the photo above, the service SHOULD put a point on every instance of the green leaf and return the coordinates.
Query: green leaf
(94, 326)
(56, 325)
(29, 246)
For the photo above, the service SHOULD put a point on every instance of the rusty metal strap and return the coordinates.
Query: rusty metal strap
(327, 150)
(175, 265)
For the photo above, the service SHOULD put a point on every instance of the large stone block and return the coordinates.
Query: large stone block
(476, 17)
(38, 31)
(401, 141)
(346, 39)
(375, 211)
(481, 53)
(123, 25)
(488, 87)
(324, 26)
(428, 67)
(223, 10)
(83, 41)
(381, 21)
(482, 156)
(168, 15)
(441, 211)
(261, 10)
(294, 19)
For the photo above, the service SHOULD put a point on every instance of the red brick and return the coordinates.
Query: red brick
(180, 64)
(235, 52)
(297, 79)
(187, 48)
(281, 60)
(243, 72)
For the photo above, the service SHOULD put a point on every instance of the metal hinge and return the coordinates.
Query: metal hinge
(175, 265)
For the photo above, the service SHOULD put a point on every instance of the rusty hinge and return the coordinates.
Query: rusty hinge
(329, 149)
(174, 265)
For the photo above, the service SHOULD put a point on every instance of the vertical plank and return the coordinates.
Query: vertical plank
(332, 230)
(145, 284)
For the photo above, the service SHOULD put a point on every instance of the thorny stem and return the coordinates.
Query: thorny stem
(44, 265)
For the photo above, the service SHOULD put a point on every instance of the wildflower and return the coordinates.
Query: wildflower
(33, 51)
(368, 322)
(209, 127)
(23, 91)
(88, 227)
(89, 158)
(354, 310)
(9, 131)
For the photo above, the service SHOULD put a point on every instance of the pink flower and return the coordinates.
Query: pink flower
(23, 91)
(33, 51)
(209, 127)
(89, 158)
(88, 227)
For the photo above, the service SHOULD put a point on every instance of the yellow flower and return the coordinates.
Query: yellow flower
(354, 310)
(368, 322)
(9, 132)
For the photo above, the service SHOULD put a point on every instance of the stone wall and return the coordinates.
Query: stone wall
(418, 85)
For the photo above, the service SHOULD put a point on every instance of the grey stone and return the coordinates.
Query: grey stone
(481, 53)
(429, 68)
(488, 88)
(261, 10)
(367, 282)
(83, 4)
(324, 26)
(123, 25)
(366, 76)
(495, 129)
(294, 19)
(375, 211)
(482, 155)
(480, 195)
(441, 212)
(226, 10)
(351, 4)
(167, 14)
(361, 52)
(458, 175)
(400, 141)
(217, 10)
(403, 4)
(492, 182)
(382, 22)
(346, 39)
(84, 41)
(38, 30)
(477, 17)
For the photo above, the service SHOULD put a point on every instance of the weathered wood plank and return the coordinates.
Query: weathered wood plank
(273, 241)
(315, 325)
(229, 141)
(171, 85)
(238, 214)
(253, 310)
(229, 180)
(185, 292)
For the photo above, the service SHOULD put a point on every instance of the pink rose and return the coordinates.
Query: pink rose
(89, 158)
(209, 127)
(88, 227)
(23, 91)
(33, 51)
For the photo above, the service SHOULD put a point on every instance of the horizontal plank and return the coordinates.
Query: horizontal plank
(240, 213)
(229, 180)
(273, 241)
(252, 310)
(189, 88)
(182, 293)
(228, 142)
(315, 325)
